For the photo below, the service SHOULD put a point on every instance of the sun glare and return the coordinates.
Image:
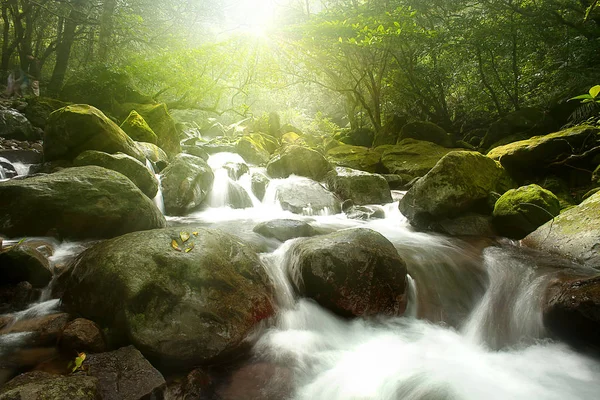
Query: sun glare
(253, 17)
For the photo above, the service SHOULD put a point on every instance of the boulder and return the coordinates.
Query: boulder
(574, 234)
(195, 151)
(425, 131)
(571, 311)
(534, 156)
(352, 272)
(236, 169)
(461, 182)
(357, 157)
(358, 137)
(285, 229)
(253, 150)
(137, 172)
(360, 187)
(412, 158)
(259, 184)
(390, 132)
(39, 109)
(154, 154)
(307, 197)
(16, 297)
(521, 211)
(365, 212)
(82, 335)
(180, 303)
(76, 203)
(41, 331)
(24, 262)
(136, 127)
(470, 224)
(162, 124)
(74, 129)
(185, 183)
(39, 385)
(526, 121)
(14, 125)
(298, 160)
(125, 374)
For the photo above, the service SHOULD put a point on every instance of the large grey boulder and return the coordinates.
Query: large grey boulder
(38, 385)
(298, 160)
(360, 187)
(179, 302)
(305, 196)
(76, 203)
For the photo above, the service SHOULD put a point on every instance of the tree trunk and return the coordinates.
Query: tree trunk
(5, 39)
(106, 29)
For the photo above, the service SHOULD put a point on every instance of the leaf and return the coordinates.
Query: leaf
(595, 91)
(190, 248)
(78, 362)
(195, 233)
(174, 245)
(581, 97)
(184, 236)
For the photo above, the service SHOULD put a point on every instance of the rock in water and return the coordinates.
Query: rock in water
(76, 203)
(298, 160)
(182, 303)
(42, 385)
(354, 272)
(305, 196)
(360, 187)
(285, 229)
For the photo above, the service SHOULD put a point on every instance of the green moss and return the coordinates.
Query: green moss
(356, 157)
(137, 128)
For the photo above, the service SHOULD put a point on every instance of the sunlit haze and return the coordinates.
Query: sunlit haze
(253, 17)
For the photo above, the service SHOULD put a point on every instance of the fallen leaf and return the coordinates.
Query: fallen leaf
(184, 236)
(174, 245)
(78, 362)
(195, 233)
(190, 248)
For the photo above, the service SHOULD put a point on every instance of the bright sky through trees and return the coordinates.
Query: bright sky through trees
(253, 17)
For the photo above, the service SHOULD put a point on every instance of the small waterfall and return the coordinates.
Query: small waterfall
(158, 199)
(226, 190)
(2, 173)
(412, 298)
(21, 168)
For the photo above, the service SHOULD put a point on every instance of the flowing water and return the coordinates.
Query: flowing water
(472, 330)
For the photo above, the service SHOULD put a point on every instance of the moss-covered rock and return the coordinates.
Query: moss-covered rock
(289, 138)
(186, 183)
(39, 109)
(353, 272)
(137, 172)
(298, 160)
(533, 156)
(518, 212)
(42, 385)
(162, 124)
(526, 121)
(412, 158)
(74, 129)
(77, 203)
(183, 307)
(136, 127)
(358, 137)
(461, 182)
(426, 131)
(153, 153)
(253, 150)
(360, 187)
(574, 234)
(390, 132)
(356, 157)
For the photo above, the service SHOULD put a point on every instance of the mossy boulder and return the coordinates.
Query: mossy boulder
(358, 137)
(25, 262)
(185, 183)
(137, 172)
(356, 157)
(136, 127)
(43, 385)
(285, 229)
(154, 154)
(574, 234)
(390, 132)
(528, 121)
(353, 272)
(74, 129)
(76, 203)
(185, 307)
(253, 150)
(162, 124)
(534, 156)
(426, 131)
(461, 182)
(306, 197)
(14, 125)
(412, 158)
(289, 138)
(518, 212)
(298, 160)
(39, 109)
(359, 186)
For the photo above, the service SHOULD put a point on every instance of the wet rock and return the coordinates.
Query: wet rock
(298, 160)
(305, 196)
(461, 182)
(44, 386)
(195, 151)
(186, 183)
(24, 262)
(14, 125)
(426, 131)
(236, 170)
(197, 385)
(262, 380)
(259, 184)
(162, 124)
(253, 149)
(356, 157)
(285, 229)
(16, 297)
(467, 225)
(365, 212)
(360, 187)
(574, 234)
(82, 335)
(25, 156)
(44, 330)
(519, 212)
(187, 307)
(137, 172)
(39, 109)
(77, 128)
(7, 169)
(354, 272)
(395, 182)
(358, 137)
(135, 127)
(154, 154)
(83, 202)
(125, 374)
(572, 311)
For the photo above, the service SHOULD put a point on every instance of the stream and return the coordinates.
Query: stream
(473, 327)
